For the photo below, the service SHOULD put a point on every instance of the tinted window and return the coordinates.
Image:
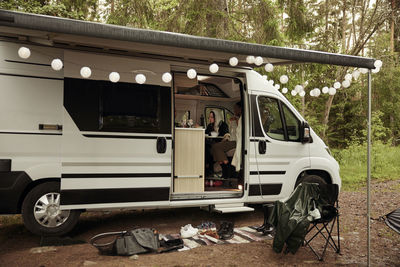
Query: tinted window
(118, 107)
(292, 124)
(270, 117)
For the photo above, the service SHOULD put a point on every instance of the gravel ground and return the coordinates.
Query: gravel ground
(17, 245)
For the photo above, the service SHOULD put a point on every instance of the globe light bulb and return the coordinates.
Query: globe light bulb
(258, 61)
(348, 76)
(86, 72)
(56, 64)
(233, 61)
(140, 78)
(191, 74)
(114, 77)
(269, 67)
(378, 64)
(284, 79)
(24, 52)
(250, 59)
(346, 83)
(166, 77)
(213, 68)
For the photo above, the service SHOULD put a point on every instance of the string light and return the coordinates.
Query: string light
(56, 64)
(140, 78)
(233, 61)
(24, 52)
(213, 68)
(191, 74)
(269, 67)
(258, 61)
(114, 77)
(86, 72)
(166, 77)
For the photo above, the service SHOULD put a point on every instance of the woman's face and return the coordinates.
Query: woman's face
(211, 118)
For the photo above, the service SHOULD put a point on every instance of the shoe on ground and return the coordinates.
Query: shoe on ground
(225, 231)
(268, 229)
(188, 231)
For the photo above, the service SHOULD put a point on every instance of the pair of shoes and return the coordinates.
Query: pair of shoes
(225, 230)
(211, 233)
(204, 226)
(188, 231)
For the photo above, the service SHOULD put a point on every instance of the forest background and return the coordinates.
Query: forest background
(355, 27)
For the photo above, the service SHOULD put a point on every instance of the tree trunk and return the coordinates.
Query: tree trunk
(392, 27)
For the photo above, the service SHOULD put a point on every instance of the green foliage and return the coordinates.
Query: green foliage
(353, 164)
(75, 9)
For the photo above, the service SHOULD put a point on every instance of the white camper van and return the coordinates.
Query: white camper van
(70, 144)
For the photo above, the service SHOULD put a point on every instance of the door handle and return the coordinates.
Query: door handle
(161, 145)
(262, 146)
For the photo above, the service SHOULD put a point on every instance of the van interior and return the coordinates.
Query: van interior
(205, 126)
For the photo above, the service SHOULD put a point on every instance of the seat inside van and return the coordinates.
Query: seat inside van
(204, 116)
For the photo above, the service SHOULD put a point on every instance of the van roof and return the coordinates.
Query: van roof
(91, 36)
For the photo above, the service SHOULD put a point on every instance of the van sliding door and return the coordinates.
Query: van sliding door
(117, 141)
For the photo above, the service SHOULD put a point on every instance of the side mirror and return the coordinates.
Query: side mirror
(305, 134)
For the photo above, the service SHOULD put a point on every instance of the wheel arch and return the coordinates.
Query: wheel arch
(32, 185)
(321, 173)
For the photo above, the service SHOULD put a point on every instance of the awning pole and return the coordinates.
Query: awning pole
(369, 172)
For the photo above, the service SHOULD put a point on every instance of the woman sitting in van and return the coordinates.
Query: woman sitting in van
(211, 126)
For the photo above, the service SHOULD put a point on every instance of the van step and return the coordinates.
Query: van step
(232, 209)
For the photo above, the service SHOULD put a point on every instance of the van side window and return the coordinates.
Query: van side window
(292, 124)
(270, 117)
(118, 107)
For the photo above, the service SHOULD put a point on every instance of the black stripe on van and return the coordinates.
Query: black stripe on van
(114, 175)
(125, 136)
(28, 63)
(267, 172)
(267, 189)
(114, 195)
(31, 76)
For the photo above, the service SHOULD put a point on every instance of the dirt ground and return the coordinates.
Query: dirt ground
(16, 242)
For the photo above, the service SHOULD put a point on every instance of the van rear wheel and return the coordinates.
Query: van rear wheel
(311, 179)
(41, 211)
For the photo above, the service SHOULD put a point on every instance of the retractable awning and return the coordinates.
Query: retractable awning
(56, 31)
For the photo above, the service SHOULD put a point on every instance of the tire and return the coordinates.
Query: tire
(311, 179)
(43, 201)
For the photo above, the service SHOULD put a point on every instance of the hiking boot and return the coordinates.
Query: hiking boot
(268, 229)
(225, 231)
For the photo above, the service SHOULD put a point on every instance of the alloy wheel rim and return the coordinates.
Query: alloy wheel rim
(47, 211)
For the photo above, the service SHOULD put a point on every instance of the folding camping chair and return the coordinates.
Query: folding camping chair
(325, 225)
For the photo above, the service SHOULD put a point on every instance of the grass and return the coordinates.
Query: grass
(385, 165)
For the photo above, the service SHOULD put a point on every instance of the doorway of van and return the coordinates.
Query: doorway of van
(208, 147)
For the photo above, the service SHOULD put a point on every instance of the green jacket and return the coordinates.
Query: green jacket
(291, 218)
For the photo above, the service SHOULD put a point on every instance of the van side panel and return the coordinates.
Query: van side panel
(105, 168)
(30, 95)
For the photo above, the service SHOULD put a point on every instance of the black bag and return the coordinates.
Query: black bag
(128, 243)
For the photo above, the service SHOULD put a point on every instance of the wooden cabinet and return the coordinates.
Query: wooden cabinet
(189, 160)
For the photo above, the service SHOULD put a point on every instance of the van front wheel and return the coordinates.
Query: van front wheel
(311, 179)
(41, 211)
